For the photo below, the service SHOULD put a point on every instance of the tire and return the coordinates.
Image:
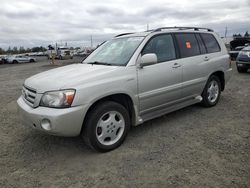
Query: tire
(241, 70)
(32, 60)
(104, 121)
(211, 92)
(15, 62)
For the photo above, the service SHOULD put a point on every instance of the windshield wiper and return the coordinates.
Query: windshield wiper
(98, 63)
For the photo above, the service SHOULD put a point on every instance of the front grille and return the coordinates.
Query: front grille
(29, 95)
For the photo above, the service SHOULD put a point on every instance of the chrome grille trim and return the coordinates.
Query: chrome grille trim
(29, 95)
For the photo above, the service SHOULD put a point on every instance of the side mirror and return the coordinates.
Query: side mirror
(148, 59)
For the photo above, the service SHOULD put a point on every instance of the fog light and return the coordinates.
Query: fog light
(46, 125)
(239, 65)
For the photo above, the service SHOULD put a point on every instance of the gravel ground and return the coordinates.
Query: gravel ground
(192, 147)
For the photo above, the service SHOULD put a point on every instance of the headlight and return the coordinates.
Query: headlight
(58, 99)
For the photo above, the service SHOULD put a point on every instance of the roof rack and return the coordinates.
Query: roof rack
(184, 28)
(122, 34)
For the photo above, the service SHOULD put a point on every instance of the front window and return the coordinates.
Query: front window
(115, 52)
(162, 46)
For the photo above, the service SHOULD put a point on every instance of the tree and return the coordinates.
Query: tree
(28, 50)
(14, 50)
(38, 49)
(237, 35)
(2, 51)
(246, 34)
(22, 50)
(9, 50)
(35, 49)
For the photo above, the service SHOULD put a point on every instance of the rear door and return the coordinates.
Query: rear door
(19, 58)
(193, 60)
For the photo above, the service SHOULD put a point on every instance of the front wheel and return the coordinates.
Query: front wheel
(211, 92)
(106, 126)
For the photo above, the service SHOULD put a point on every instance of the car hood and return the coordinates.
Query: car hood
(68, 77)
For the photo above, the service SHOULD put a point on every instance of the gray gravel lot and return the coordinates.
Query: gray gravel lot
(192, 147)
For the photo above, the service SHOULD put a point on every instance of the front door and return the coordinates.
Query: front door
(159, 85)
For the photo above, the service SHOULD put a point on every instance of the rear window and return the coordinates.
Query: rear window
(188, 44)
(210, 43)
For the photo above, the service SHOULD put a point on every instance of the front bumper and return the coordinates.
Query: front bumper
(63, 122)
(243, 64)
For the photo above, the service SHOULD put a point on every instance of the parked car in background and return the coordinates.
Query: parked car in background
(243, 60)
(20, 59)
(85, 52)
(234, 53)
(3, 59)
(126, 81)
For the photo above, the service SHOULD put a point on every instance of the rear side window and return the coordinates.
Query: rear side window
(188, 44)
(201, 44)
(210, 43)
(162, 46)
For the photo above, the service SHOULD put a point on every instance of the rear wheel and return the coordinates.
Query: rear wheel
(32, 60)
(211, 92)
(106, 126)
(15, 61)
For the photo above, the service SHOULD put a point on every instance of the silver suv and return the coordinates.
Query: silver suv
(127, 81)
(20, 59)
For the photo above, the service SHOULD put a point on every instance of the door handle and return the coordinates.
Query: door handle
(176, 65)
(206, 58)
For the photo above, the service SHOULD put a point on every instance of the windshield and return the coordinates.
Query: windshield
(115, 52)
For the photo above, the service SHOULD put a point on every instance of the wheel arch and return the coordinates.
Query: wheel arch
(121, 98)
(221, 76)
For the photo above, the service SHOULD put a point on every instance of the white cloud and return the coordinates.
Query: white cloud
(40, 22)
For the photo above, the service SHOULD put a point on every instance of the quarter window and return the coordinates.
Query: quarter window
(188, 44)
(201, 44)
(162, 46)
(210, 43)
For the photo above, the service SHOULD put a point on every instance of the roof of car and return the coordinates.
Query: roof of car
(166, 30)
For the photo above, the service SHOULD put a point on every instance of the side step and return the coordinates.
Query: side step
(163, 111)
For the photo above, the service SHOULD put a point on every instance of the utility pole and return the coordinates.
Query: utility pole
(147, 27)
(226, 34)
(91, 41)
